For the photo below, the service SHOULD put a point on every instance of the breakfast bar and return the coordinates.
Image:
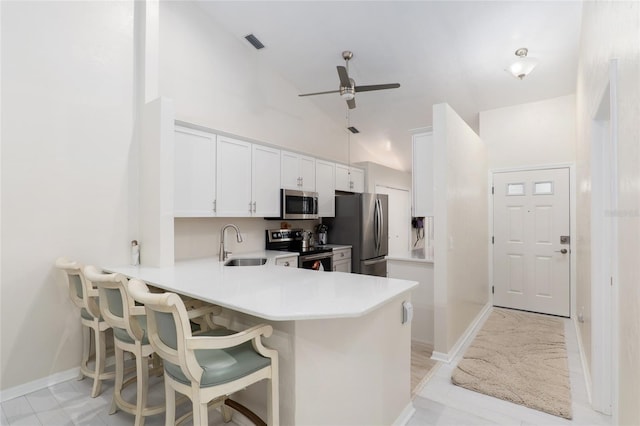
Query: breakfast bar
(344, 348)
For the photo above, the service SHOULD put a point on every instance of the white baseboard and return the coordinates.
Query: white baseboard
(405, 416)
(39, 384)
(466, 336)
(583, 360)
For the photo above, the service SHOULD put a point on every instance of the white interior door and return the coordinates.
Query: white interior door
(531, 252)
(399, 218)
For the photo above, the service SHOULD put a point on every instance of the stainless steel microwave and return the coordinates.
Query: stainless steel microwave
(298, 204)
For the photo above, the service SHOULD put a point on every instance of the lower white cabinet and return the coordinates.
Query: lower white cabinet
(289, 262)
(342, 260)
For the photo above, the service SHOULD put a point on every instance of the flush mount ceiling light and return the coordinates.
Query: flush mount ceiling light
(523, 65)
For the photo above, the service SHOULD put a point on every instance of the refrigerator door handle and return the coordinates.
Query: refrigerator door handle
(376, 225)
(373, 262)
(381, 213)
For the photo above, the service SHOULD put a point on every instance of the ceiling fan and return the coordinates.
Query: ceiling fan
(348, 86)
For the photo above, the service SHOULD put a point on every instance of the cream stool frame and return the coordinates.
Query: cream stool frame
(184, 356)
(85, 297)
(112, 289)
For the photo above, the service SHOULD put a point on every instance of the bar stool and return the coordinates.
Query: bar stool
(85, 297)
(207, 367)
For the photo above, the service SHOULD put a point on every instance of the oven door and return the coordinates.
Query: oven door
(316, 262)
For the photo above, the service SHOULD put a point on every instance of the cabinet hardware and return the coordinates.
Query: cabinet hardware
(254, 206)
(250, 206)
(286, 264)
(214, 205)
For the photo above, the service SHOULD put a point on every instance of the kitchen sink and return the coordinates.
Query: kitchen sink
(249, 261)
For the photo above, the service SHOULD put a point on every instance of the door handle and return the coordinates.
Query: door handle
(563, 251)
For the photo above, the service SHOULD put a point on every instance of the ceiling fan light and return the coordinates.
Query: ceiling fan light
(522, 66)
(347, 93)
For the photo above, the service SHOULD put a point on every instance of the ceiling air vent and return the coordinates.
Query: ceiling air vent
(353, 130)
(254, 41)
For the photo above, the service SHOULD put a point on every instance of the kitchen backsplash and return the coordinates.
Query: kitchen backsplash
(200, 237)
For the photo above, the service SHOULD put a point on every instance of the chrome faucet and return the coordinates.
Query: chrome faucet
(224, 254)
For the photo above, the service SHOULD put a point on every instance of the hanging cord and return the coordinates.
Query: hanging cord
(348, 138)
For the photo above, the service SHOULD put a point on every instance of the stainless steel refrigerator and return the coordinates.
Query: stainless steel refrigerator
(361, 221)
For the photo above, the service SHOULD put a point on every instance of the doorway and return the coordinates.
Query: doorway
(531, 241)
(399, 218)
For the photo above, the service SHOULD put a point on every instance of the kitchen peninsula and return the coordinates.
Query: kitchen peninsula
(344, 351)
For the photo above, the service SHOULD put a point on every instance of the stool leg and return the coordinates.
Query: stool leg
(86, 349)
(201, 412)
(227, 412)
(100, 359)
(170, 403)
(117, 387)
(142, 383)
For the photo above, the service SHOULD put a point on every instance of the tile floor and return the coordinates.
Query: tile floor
(438, 403)
(442, 403)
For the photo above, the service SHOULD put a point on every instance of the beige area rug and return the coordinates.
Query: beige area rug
(519, 357)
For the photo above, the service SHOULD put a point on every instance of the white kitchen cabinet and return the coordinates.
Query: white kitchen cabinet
(233, 178)
(422, 174)
(350, 179)
(326, 188)
(298, 171)
(265, 178)
(342, 260)
(195, 176)
(289, 262)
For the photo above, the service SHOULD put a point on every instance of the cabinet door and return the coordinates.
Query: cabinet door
(422, 175)
(326, 188)
(289, 262)
(290, 170)
(307, 173)
(357, 180)
(233, 178)
(265, 176)
(342, 266)
(342, 178)
(195, 173)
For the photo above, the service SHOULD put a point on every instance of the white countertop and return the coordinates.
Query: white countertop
(417, 255)
(272, 292)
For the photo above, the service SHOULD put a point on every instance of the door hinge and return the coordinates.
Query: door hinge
(493, 289)
(493, 240)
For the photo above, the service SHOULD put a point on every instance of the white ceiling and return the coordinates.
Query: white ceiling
(439, 51)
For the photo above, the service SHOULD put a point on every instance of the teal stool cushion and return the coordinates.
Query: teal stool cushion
(122, 335)
(222, 365)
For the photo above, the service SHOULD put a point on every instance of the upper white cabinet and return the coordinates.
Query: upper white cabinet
(298, 171)
(248, 179)
(233, 178)
(265, 176)
(349, 179)
(326, 188)
(195, 173)
(422, 174)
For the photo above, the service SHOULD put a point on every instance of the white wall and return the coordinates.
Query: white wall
(530, 134)
(66, 136)
(219, 81)
(611, 29)
(461, 288)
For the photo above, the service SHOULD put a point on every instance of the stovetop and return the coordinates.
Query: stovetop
(290, 240)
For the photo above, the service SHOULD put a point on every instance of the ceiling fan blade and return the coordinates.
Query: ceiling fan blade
(320, 93)
(376, 87)
(351, 103)
(344, 76)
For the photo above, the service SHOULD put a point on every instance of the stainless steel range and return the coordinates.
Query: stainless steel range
(293, 240)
